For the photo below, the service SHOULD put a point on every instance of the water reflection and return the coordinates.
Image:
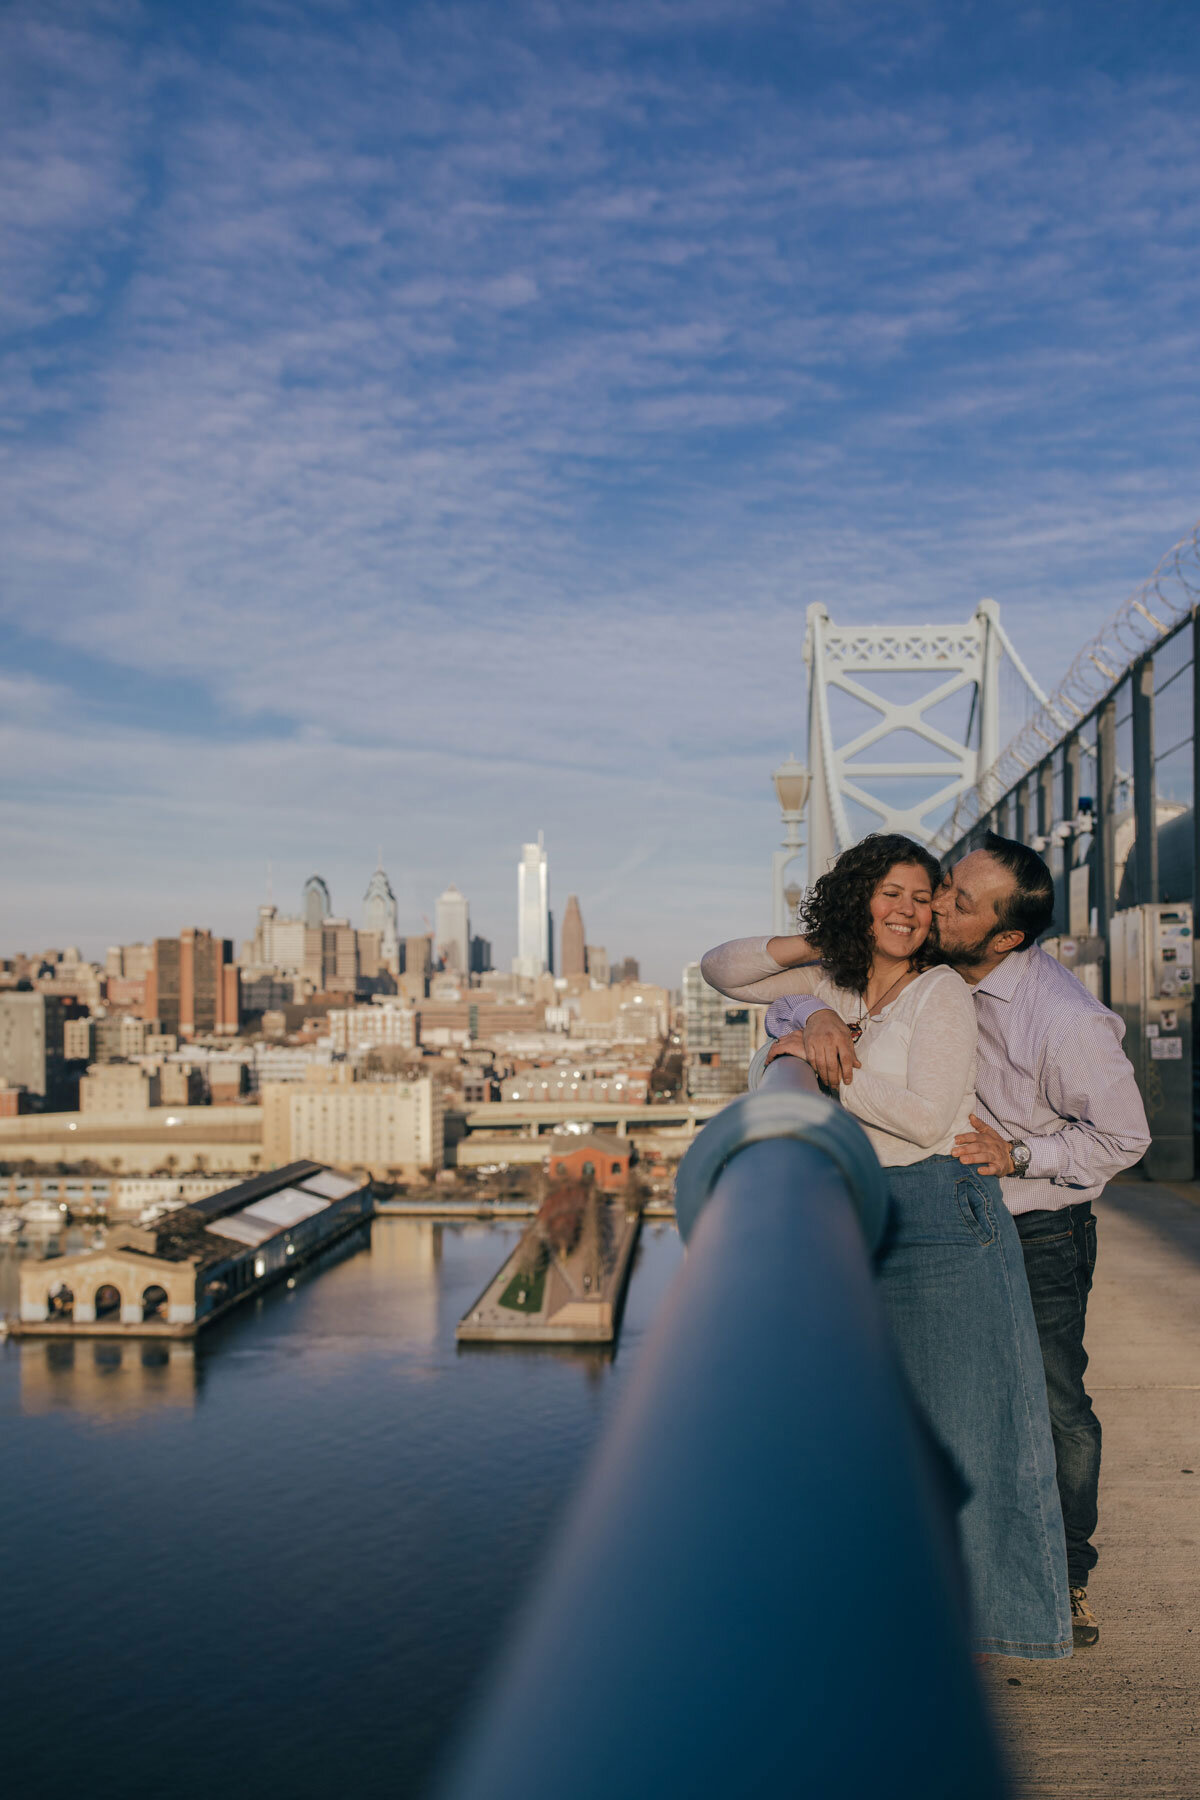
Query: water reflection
(408, 1252)
(353, 1495)
(418, 1278)
(104, 1377)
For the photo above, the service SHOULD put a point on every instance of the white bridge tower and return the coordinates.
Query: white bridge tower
(853, 659)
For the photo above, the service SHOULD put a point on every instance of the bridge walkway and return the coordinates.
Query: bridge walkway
(1123, 1719)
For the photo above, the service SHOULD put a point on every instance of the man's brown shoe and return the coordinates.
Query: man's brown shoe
(1084, 1627)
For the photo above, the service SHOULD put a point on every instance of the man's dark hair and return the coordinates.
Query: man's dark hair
(835, 915)
(1030, 907)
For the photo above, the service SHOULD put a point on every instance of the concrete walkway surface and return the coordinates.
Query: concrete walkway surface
(1123, 1719)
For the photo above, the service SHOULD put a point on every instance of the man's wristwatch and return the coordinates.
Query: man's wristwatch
(1019, 1157)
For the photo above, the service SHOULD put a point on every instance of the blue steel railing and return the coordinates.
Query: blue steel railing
(758, 1591)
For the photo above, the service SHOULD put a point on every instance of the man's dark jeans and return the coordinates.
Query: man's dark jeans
(1060, 1259)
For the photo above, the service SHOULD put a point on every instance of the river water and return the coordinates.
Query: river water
(280, 1562)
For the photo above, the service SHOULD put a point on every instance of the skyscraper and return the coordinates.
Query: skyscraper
(574, 954)
(193, 987)
(380, 914)
(534, 955)
(452, 930)
(317, 904)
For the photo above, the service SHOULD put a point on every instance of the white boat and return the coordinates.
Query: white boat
(43, 1212)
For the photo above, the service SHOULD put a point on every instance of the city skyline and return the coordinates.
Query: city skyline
(384, 463)
(378, 912)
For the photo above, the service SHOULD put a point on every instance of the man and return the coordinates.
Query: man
(1059, 1116)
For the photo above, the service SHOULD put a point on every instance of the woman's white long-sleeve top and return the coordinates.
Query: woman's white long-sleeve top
(915, 1090)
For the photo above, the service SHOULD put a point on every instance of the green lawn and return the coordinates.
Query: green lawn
(532, 1286)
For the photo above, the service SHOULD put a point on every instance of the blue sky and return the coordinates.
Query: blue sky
(422, 426)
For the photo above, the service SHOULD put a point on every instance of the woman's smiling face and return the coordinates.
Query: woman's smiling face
(902, 910)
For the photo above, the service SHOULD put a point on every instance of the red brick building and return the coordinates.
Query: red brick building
(598, 1157)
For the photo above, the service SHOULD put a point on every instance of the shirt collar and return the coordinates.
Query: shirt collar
(1006, 978)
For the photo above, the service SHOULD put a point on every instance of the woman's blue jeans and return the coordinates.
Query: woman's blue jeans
(953, 1286)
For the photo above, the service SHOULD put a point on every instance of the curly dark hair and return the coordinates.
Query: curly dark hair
(835, 915)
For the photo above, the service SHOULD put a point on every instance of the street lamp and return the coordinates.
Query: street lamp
(791, 786)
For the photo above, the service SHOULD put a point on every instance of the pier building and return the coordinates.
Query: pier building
(173, 1277)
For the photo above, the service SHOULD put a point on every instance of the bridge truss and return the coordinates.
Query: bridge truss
(903, 766)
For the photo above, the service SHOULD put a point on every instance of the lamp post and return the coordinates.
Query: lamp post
(791, 785)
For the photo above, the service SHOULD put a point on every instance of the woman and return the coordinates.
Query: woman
(951, 1275)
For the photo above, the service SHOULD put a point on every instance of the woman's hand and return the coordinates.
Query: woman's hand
(791, 1045)
(829, 1048)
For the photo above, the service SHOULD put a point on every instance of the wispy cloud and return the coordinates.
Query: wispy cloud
(482, 394)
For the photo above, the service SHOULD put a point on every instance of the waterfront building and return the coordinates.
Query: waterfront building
(200, 1139)
(381, 916)
(574, 950)
(452, 930)
(193, 988)
(534, 941)
(596, 1156)
(31, 1045)
(170, 1278)
(391, 1127)
(315, 906)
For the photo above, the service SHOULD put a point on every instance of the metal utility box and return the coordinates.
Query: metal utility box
(1151, 969)
(1084, 956)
